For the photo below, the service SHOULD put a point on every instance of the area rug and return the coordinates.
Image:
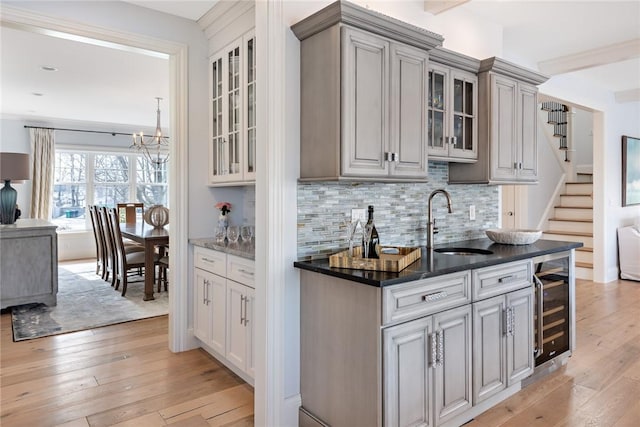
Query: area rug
(85, 301)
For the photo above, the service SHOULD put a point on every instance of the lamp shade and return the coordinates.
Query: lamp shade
(14, 166)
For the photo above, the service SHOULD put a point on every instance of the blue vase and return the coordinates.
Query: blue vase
(8, 199)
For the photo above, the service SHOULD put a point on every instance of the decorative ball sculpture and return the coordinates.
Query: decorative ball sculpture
(157, 215)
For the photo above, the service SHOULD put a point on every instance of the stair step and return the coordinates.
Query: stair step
(574, 213)
(561, 225)
(584, 264)
(584, 188)
(584, 257)
(584, 273)
(576, 201)
(584, 177)
(566, 236)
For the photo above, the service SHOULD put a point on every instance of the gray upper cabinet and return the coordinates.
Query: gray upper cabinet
(452, 107)
(507, 131)
(363, 96)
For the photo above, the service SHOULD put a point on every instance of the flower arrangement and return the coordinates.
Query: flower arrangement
(225, 207)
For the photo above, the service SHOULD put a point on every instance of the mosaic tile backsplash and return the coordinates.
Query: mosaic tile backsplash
(400, 212)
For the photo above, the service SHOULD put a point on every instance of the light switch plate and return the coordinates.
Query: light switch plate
(359, 214)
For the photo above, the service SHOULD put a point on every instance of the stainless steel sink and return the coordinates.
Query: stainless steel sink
(463, 251)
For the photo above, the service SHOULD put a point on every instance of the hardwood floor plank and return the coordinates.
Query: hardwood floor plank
(213, 406)
(606, 407)
(149, 420)
(232, 417)
(631, 418)
(80, 422)
(196, 421)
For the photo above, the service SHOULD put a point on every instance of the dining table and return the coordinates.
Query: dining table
(150, 237)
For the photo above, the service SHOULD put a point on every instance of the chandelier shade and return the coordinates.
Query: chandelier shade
(154, 148)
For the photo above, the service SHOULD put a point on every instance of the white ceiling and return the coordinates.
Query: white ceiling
(121, 86)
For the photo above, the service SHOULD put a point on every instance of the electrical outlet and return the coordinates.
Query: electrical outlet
(472, 213)
(359, 214)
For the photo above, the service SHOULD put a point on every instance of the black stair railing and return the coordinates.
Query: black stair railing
(557, 116)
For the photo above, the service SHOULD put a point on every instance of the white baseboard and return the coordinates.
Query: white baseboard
(290, 410)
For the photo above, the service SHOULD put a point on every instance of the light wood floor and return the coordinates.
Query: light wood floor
(125, 374)
(120, 375)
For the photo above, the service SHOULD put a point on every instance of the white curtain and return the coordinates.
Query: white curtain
(42, 164)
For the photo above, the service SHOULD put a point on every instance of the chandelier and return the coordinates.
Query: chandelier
(155, 148)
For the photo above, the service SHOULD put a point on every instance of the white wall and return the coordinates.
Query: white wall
(582, 137)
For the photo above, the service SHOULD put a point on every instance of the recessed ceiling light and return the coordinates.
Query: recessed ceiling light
(37, 94)
(48, 68)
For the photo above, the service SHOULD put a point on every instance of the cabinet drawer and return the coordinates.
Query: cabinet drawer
(411, 300)
(241, 270)
(211, 261)
(500, 279)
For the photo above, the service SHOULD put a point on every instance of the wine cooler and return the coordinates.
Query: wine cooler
(554, 313)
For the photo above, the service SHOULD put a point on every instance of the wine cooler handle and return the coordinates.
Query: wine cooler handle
(540, 295)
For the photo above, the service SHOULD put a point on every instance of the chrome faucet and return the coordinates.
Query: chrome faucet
(431, 222)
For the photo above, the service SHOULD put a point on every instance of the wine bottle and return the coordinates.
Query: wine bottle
(374, 240)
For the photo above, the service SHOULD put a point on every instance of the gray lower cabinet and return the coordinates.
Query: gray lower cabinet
(28, 263)
(430, 352)
(503, 342)
(427, 369)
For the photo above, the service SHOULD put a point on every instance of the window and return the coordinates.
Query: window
(105, 179)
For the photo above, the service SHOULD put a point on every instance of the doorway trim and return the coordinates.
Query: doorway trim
(28, 20)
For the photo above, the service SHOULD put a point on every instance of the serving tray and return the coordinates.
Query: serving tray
(386, 262)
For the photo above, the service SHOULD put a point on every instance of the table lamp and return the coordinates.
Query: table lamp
(13, 166)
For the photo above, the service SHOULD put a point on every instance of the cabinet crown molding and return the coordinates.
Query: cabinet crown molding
(454, 59)
(500, 66)
(359, 17)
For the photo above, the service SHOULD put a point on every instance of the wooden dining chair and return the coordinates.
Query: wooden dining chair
(109, 255)
(125, 260)
(163, 266)
(99, 240)
(127, 212)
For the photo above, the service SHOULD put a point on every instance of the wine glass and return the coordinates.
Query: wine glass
(246, 232)
(221, 234)
(233, 233)
(351, 227)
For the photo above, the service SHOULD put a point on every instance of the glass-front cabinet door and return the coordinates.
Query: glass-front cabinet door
(451, 114)
(437, 110)
(232, 128)
(250, 144)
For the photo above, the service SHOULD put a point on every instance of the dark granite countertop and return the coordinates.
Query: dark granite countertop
(241, 249)
(434, 264)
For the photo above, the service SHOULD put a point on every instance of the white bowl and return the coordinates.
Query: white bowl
(510, 236)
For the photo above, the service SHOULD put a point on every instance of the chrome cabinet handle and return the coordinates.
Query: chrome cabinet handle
(513, 320)
(453, 140)
(246, 312)
(204, 292)
(440, 347)
(241, 309)
(505, 278)
(435, 296)
(505, 321)
(434, 350)
(212, 261)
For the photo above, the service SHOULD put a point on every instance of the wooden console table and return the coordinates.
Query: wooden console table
(28, 263)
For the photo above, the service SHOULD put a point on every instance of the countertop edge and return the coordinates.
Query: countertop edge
(407, 275)
(243, 250)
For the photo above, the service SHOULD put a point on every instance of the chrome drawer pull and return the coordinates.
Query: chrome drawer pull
(504, 279)
(434, 350)
(434, 297)
(440, 348)
(209, 260)
(250, 273)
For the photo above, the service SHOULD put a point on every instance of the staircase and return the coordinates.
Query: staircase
(572, 221)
